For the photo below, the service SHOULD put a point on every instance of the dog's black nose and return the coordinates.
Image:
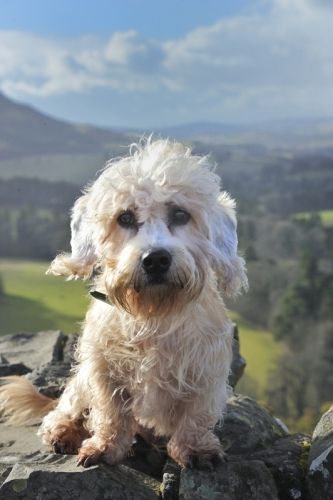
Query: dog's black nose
(156, 262)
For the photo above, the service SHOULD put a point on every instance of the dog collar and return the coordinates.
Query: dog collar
(100, 296)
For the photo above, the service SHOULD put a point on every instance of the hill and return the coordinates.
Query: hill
(307, 134)
(38, 146)
(26, 132)
(33, 144)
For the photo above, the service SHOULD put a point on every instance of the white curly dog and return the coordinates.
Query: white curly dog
(157, 238)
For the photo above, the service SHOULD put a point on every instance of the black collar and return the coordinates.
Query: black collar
(100, 296)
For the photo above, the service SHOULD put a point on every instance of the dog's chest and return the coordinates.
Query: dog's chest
(175, 365)
(179, 356)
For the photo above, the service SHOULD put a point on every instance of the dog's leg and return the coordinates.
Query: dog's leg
(193, 443)
(113, 426)
(110, 443)
(63, 428)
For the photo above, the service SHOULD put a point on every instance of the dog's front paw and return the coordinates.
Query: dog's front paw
(94, 450)
(89, 453)
(66, 438)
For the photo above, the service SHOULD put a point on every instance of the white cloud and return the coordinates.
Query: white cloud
(268, 61)
(133, 51)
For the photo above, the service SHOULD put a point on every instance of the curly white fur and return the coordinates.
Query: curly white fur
(159, 357)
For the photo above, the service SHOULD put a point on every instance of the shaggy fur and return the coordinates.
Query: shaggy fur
(159, 356)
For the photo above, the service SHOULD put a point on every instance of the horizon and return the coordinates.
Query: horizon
(110, 66)
(272, 121)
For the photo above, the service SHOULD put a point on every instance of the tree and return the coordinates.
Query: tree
(301, 303)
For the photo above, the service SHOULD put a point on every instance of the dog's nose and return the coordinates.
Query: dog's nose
(157, 261)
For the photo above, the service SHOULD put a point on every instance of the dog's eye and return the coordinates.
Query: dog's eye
(178, 216)
(127, 219)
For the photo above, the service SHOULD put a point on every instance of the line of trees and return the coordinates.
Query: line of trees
(290, 265)
(303, 380)
(33, 233)
(34, 217)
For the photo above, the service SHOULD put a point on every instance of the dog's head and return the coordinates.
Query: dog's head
(156, 226)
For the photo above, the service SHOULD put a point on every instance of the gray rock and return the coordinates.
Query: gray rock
(320, 466)
(169, 489)
(65, 481)
(287, 460)
(238, 362)
(31, 349)
(247, 426)
(51, 377)
(19, 442)
(230, 481)
(148, 457)
(7, 369)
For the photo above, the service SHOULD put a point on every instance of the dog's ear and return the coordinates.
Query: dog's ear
(80, 263)
(230, 266)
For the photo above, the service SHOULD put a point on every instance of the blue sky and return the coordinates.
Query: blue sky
(152, 18)
(144, 63)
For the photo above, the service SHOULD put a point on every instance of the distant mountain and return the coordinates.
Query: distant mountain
(35, 145)
(189, 130)
(27, 132)
(306, 133)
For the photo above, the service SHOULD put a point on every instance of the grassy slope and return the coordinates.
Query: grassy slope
(34, 301)
(261, 352)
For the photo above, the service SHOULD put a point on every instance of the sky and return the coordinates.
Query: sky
(145, 63)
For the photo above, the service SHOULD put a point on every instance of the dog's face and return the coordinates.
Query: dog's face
(157, 227)
(153, 254)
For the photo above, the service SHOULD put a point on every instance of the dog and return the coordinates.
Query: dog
(157, 239)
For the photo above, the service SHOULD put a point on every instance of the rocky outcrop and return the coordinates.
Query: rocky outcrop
(61, 479)
(263, 461)
(238, 362)
(320, 477)
(234, 480)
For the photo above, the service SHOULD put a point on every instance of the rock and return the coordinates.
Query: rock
(230, 481)
(247, 426)
(51, 377)
(287, 460)
(18, 443)
(238, 362)
(7, 369)
(148, 457)
(320, 466)
(31, 349)
(63, 480)
(169, 489)
(23, 352)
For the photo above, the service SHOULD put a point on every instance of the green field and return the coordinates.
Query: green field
(326, 216)
(261, 352)
(34, 301)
